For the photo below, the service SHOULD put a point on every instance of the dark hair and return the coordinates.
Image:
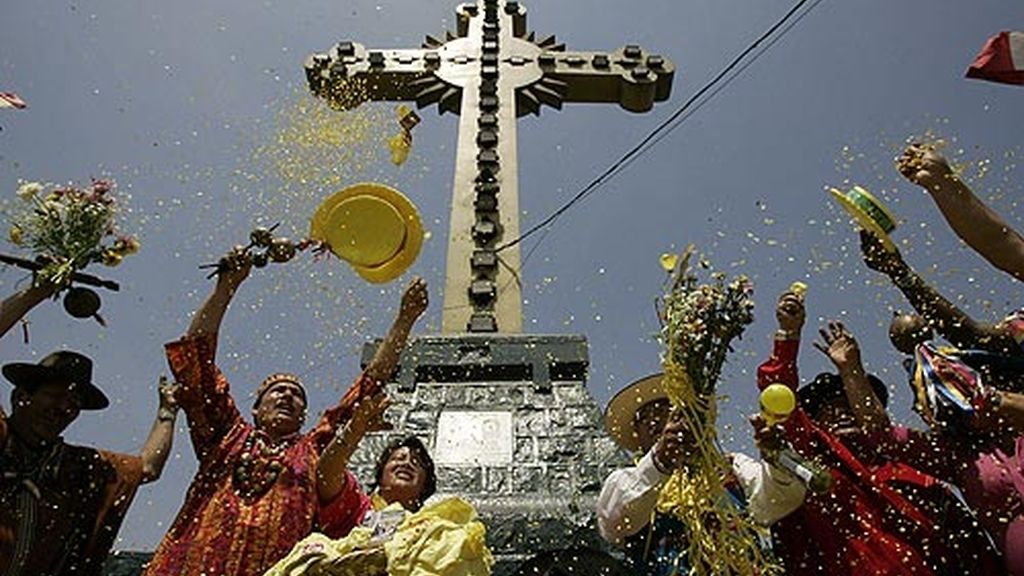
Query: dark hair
(415, 445)
(828, 386)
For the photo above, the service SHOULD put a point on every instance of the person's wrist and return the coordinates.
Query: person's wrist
(850, 368)
(166, 414)
(787, 334)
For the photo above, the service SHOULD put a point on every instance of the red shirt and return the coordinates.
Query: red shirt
(862, 526)
(228, 525)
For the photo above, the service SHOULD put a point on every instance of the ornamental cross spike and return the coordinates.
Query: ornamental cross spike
(490, 72)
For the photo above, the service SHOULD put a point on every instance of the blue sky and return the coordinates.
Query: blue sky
(190, 107)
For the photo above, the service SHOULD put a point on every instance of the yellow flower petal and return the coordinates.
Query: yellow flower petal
(668, 261)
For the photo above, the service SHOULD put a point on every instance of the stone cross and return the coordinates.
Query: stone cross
(490, 72)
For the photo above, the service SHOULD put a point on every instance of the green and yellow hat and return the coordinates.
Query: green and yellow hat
(869, 213)
(373, 227)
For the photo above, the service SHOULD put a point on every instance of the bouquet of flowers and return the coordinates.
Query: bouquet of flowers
(699, 323)
(68, 228)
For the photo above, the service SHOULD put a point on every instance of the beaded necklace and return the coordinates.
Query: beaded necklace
(259, 465)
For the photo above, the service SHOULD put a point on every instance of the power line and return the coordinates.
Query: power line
(672, 122)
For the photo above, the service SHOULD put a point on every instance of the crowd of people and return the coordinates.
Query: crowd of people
(946, 500)
(271, 499)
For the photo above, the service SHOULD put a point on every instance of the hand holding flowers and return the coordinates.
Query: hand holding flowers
(67, 228)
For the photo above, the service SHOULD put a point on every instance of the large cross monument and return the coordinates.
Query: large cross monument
(489, 73)
(506, 415)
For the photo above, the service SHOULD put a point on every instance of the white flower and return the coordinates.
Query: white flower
(29, 190)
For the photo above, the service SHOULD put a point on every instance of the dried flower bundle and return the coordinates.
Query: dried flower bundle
(699, 323)
(68, 228)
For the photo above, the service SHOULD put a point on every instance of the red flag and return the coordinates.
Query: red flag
(1001, 60)
(11, 100)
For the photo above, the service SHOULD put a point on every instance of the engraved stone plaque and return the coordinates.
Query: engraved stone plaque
(473, 438)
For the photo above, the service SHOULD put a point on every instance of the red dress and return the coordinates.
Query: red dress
(248, 505)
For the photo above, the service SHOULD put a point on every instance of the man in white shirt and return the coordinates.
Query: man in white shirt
(639, 419)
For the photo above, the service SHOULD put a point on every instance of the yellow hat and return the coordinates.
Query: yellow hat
(869, 213)
(373, 227)
(621, 411)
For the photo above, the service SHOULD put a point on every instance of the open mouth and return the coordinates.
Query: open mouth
(405, 474)
(286, 409)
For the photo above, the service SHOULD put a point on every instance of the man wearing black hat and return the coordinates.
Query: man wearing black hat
(63, 504)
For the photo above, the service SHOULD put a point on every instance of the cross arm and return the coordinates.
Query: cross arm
(349, 74)
(630, 76)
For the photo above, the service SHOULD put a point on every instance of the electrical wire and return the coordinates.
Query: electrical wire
(694, 103)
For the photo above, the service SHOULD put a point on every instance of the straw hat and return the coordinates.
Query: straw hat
(869, 213)
(622, 409)
(373, 227)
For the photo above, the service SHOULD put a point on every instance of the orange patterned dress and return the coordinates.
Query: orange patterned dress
(250, 501)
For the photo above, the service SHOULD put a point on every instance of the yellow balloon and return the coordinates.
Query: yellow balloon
(777, 402)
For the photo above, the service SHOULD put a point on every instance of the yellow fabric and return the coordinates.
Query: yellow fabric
(443, 539)
(318, 555)
(720, 536)
(378, 502)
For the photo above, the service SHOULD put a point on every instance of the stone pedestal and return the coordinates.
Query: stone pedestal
(531, 452)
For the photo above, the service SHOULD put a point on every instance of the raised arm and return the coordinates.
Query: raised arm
(204, 393)
(974, 222)
(207, 320)
(331, 478)
(414, 302)
(158, 445)
(15, 306)
(781, 367)
(842, 349)
(941, 314)
(380, 368)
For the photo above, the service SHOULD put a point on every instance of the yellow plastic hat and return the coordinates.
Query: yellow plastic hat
(869, 213)
(373, 227)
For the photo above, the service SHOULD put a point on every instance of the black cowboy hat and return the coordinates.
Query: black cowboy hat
(828, 386)
(61, 367)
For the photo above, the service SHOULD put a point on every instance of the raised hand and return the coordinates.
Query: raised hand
(923, 166)
(840, 346)
(878, 258)
(674, 444)
(768, 438)
(168, 394)
(790, 312)
(234, 267)
(415, 299)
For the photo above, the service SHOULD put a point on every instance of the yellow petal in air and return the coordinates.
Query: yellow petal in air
(668, 261)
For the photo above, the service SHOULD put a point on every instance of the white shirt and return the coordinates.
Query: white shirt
(629, 495)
